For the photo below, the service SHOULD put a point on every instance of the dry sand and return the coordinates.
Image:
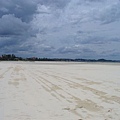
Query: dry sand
(59, 91)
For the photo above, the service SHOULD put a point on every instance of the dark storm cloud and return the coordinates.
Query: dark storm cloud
(15, 17)
(10, 25)
(23, 9)
(13, 32)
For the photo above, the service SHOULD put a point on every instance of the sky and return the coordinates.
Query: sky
(87, 29)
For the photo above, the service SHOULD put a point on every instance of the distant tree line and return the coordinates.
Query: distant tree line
(12, 57)
(7, 57)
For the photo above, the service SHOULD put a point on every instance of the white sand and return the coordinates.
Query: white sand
(59, 91)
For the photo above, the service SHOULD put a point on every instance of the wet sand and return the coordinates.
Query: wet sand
(59, 91)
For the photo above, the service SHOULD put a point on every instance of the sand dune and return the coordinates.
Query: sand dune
(59, 91)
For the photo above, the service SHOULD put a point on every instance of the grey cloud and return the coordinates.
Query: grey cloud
(110, 14)
(76, 49)
(93, 40)
(87, 2)
(68, 50)
(23, 9)
(14, 24)
(55, 3)
(8, 42)
(13, 32)
(95, 0)
(102, 11)
(15, 45)
(10, 25)
(45, 48)
(67, 28)
(98, 40)
(111, 54)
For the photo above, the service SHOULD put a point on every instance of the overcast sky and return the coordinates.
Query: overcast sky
(60, 28)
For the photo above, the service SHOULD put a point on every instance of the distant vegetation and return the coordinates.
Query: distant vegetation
(12, 57)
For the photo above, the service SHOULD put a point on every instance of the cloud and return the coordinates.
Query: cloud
(60, 4)
(60, 28)
(110, 14)
(10, 25)
(13, 31)
(79, 51)
(23, 9)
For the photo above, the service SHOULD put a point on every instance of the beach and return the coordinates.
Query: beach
(59, 91)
